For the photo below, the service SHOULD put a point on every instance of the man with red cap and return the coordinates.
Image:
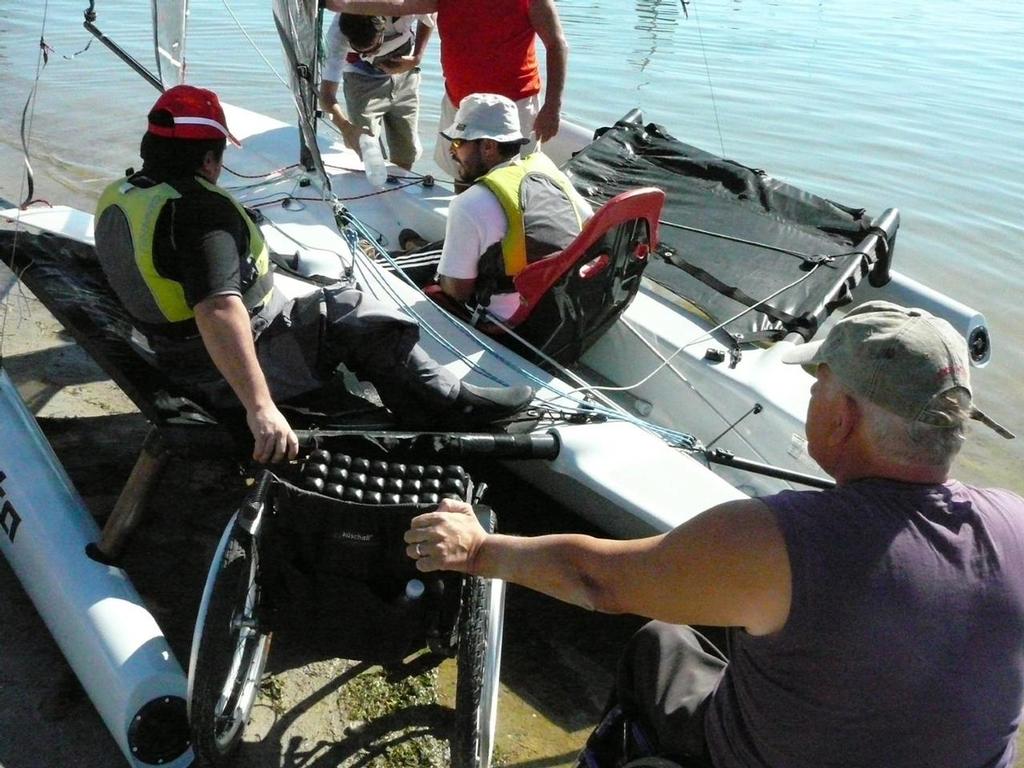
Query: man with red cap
(191, 267)
(878, 623)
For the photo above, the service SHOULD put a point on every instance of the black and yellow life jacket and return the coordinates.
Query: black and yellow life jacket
(542, 220)
(126, 222)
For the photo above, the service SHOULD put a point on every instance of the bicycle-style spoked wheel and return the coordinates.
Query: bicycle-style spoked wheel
(229, 649)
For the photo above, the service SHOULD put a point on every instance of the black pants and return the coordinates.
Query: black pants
(420, 264)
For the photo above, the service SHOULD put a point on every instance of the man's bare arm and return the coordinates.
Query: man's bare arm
(224, 326)
(547, 25)
(726, 567)
(400, 64)
(350, 132)
(383, 7)
(460, 289)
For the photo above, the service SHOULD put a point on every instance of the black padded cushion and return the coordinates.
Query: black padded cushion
(334, 570)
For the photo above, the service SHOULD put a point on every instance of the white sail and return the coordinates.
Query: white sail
(170, 19)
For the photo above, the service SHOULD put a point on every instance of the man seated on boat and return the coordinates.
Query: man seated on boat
(191, 267)
(877, 623)
(517, 211)
(377, 61)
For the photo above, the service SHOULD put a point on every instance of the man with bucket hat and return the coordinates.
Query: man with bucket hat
(878, 623)
(517, 211)
(191, 267)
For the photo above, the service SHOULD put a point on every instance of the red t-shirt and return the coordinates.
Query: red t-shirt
(487, 46)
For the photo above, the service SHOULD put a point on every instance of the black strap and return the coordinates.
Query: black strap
(734, 292)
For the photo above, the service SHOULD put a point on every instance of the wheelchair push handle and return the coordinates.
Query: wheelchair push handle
(530, 446)
(498, 445)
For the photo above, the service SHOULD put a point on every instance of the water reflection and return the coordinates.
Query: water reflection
(655, 24)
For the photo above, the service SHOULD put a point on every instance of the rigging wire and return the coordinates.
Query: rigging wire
(433, 332)
(706, 335)
(707, 71)
(304, 246)
(810, 258)
(369, 274)
(806, 257)
(709, 402)
(610, 411)
(255, 47)
(27, 119)
(268, 176)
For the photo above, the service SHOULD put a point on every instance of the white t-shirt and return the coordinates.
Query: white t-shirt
(475, 222)
(398, 31)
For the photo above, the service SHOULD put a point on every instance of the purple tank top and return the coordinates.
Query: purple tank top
(904, 646)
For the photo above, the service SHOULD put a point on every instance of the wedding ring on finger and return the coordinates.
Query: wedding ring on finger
(416, 551)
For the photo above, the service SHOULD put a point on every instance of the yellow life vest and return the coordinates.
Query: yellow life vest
(126, 219)
(521, 202)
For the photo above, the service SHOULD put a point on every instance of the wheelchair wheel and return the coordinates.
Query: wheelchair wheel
(479, 665)
(228, 650)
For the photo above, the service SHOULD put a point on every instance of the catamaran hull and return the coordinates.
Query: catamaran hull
(92, 610)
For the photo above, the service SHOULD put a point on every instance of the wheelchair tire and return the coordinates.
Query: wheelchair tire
(228, 650)
(466, 741)
(478, 671)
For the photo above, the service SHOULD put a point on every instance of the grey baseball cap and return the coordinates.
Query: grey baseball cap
(486, 116)
(901, 359)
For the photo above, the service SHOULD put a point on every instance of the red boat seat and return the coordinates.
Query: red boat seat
(570, 299)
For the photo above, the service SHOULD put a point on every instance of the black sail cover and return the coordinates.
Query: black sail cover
(734, 235)
(298, 26)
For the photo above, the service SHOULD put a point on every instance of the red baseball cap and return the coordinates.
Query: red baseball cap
(197, 114)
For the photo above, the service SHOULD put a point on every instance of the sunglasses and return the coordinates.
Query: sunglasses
(456, 143)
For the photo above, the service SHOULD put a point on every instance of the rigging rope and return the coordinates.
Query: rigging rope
(370, 272)
(28, 112)
(373, 278)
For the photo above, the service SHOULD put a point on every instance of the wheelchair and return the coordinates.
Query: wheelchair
(320, 548)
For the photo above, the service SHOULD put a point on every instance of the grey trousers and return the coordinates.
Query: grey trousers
(340, 325)
(392, 102)
(665, 680)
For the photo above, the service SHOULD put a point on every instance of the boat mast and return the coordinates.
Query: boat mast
(298, 25)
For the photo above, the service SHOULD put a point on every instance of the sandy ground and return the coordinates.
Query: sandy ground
(312, 712)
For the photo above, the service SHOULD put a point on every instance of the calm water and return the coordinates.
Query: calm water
(910, 103)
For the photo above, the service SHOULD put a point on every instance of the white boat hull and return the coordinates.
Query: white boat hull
(93, 612)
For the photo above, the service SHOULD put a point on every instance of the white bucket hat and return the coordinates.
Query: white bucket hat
(486, 116)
